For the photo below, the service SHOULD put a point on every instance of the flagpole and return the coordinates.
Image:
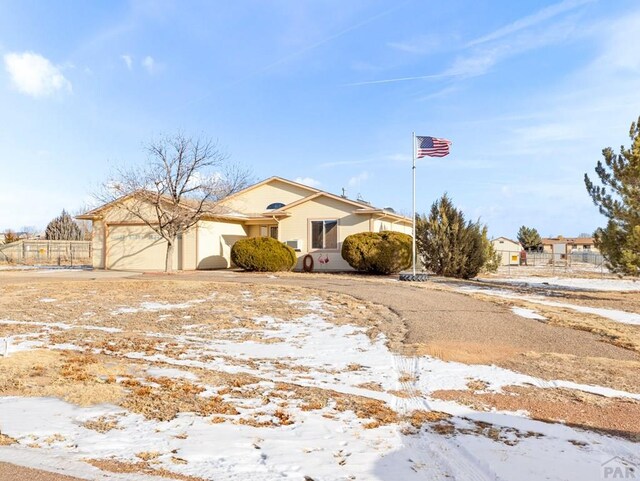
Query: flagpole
(413, 155)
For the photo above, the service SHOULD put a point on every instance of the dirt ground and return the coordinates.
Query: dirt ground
(11, 472)
(86, 310)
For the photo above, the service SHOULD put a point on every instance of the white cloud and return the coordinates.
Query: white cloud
(482, 59)
(531, 20)
(34, 75)
(308, 181)
(357, 180)
(440, 93)
(149, 63)
(619, 47)
(128, 61)
(513, 39)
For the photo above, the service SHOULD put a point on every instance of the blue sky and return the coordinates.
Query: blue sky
(327, 92)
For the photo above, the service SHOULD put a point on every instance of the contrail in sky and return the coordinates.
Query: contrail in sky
(400, 79)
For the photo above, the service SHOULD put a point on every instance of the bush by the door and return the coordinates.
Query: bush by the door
(384, 252)
(263, 254)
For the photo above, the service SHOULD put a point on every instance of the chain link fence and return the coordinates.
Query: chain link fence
(46, 252)
(552, 263)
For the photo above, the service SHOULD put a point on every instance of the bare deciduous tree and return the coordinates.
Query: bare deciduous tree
(184, 179)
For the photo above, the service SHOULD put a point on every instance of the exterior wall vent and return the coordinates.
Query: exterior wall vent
(296, 245)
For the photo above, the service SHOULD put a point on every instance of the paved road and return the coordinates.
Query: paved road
(445, 323)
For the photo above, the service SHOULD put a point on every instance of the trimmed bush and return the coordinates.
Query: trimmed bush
(263, 254)
(384, 252)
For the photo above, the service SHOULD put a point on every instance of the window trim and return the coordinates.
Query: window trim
(310, 234)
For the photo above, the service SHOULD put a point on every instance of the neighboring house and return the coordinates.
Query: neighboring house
(571, 244)
(309, 220)
(508, 249)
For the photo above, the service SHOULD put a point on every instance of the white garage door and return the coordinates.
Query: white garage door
(135, 248)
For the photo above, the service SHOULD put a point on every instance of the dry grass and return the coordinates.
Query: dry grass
(102, 424)
(407, 378)
(612, 373)
(148, 455)
(372, 386)
(76, 378)
(477, 385)
(6, 440)
(376, 413)
(229, 314)
(619, 334)
(418, 418)
(172, 396)
(613, 416)
(142, 467)
(90, 303)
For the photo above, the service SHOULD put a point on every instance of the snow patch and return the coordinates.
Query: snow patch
(528, 313)
(576, 283)
(172, 373)
(612, 314)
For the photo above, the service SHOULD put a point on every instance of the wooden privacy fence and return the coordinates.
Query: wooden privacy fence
(47, 252)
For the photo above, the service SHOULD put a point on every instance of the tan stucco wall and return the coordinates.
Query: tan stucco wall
(215, 240)
(381, 224)
(136, 248)
(297, 227)
(253, 231)
(189, 260)
(257, 200)
(97, 241)
(131, 245)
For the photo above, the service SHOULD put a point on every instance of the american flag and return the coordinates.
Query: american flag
(432, 147)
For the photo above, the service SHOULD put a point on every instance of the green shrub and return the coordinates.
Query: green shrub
(263, 254)
(384, 252)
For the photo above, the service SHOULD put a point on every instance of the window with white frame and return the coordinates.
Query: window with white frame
(324, 234)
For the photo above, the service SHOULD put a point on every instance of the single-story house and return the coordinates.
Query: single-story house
(569, 244)
(308, 219)
(508, 249)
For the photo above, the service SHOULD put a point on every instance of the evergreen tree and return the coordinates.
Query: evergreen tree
(63, 227)
(448, 244)
(529, 238)
(618, 199)
(492, 258)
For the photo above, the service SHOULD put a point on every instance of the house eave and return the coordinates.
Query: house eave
(383, 213)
